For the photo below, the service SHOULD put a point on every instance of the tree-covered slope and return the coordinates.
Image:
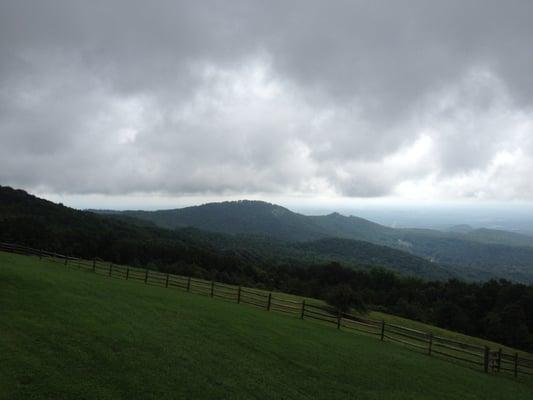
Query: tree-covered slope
(26, 219)
(476, 254)
(351, 227)
(346, 250)
(254, 235)
(245, 217)
(496, 236)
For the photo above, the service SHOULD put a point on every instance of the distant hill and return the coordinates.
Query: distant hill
(128, 238)
(463, 228)
(491, 236)
(245, 217)
(239, 236)
(353, 253)
(476, 253)
(495, 236)
(361, 252)
(352, 227)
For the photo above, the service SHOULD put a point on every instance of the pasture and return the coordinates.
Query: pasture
(72, 334)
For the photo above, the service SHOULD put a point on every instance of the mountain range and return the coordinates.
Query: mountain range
(467, 252)
(254, 234)
(29, 220)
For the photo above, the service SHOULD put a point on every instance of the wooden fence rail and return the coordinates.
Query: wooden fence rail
(482, 357)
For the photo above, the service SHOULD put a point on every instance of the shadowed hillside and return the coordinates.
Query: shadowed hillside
(126, 239)
(475, 254)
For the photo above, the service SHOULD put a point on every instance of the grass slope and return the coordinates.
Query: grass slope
(70, 334)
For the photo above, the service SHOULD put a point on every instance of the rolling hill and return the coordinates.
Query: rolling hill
(494, 236)
(71, 334)
(248, 234)
(26, 219)
(243, 217)
(471, 253)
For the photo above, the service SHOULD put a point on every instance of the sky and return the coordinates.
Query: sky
(135, 104)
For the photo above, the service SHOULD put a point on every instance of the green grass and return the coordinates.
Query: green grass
(68, 334)
(408, 323)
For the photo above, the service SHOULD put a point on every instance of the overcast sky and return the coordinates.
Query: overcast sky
(402, 100)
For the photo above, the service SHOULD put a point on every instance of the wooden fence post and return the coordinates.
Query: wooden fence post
(66, 260)
(382, 330)
(166, 281)
(486, 359)
(303, 310)
(430, 343)
(212, 288)
(269, 301)
(110, 268)
(127, 272)
(189, 284)
(515, 365)
(499, 360)
(146, 277)
(40, 254)
(239, 295)
(94, 264)
(338, 320)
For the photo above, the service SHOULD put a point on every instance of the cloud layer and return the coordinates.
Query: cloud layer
(360, 99)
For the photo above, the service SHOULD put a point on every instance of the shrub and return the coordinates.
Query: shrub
(343, 298)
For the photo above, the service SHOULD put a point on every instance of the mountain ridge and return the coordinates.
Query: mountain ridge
(29, 220)
(492, 252)
(270, 237)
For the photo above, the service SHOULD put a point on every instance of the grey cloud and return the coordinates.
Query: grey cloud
(275, 97)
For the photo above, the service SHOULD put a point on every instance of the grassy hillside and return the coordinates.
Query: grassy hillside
(409, 323)
(71, 334)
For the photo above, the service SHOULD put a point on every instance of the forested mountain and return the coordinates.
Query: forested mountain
(261, 236)
(246, 217)
(350, 227)
(495, 236)
(355, 254)
(26, 219)
(472, 253)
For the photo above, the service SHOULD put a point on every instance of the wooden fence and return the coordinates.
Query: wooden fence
(477, 356)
